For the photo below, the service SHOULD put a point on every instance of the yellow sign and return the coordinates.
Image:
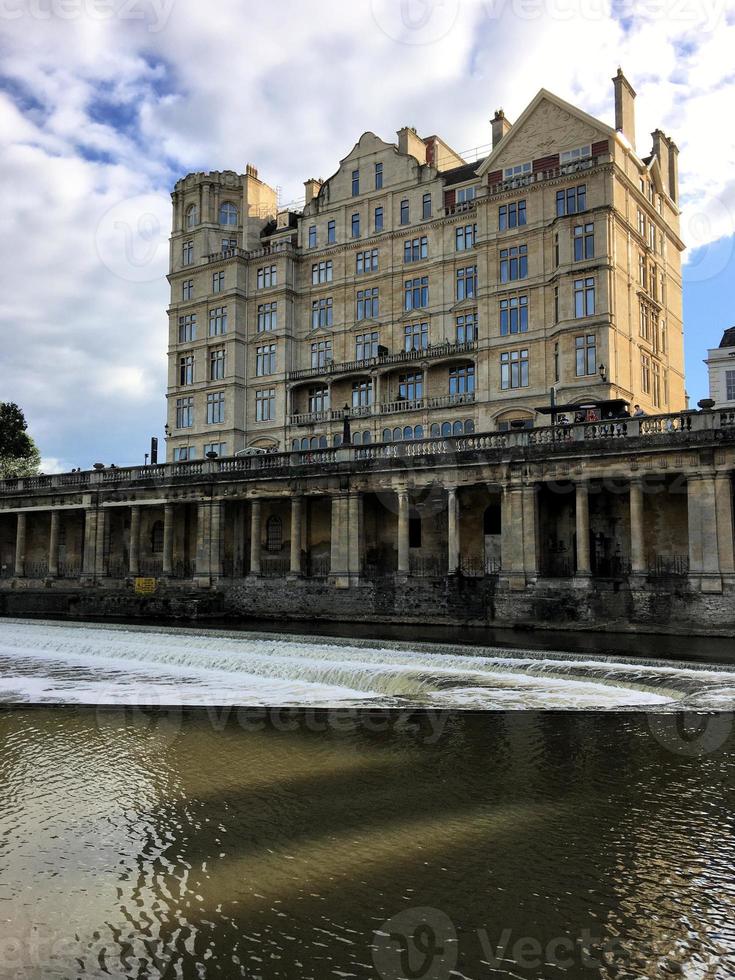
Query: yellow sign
(145, 586)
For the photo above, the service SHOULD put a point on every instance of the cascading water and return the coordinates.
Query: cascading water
(54, 662)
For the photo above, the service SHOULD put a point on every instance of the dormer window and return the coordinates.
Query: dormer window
(228, 214)
(578, 153)
(519, 170)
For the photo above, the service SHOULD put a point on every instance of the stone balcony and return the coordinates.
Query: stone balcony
(399, 406)
(333, 368)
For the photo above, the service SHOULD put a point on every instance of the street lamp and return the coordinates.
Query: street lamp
(603, 372)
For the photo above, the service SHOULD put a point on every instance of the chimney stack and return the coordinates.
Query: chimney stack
(673, 171)
(411, 144)
(624, 107)
(312, 187)
(500, 127)
(660, 150)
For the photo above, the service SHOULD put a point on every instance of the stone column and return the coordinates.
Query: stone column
(53, 545)
(99, 546)
(694, 530)
(355, 521)
(168, 539)
(255, 535)
(703, 543)
(216, 526)
(582, 513)
(637, 546)
(531, 534)
(206, 213)
(339, 542)
(725, 522)
(203, 570)
(404, 566)
(452, 532)
(90, 543)
(296, 510)
(20, 546)
(134, 554)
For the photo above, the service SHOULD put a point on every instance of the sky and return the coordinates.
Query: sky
(104, 104)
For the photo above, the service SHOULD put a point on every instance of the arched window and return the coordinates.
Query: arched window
(192, 216)
(446, 429)
(295, 445)
(367, 438)
(337, 439)
(313, 443)
(469, 427)
(408, 432)
(418, 432)
(356, 438)
(397, 434)
(228, 214)
(323, 442)
(157, 538)
(304, 443)
(457, 429)
(435, 430)
(273, 533)
(387, 435)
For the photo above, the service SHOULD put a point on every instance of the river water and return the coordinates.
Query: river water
(375, 825)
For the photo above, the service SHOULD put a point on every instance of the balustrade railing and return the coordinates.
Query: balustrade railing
(667, 566)
(431, 352)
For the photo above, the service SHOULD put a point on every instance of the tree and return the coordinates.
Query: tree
(19, 455)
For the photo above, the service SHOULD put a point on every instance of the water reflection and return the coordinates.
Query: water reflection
(181, 848)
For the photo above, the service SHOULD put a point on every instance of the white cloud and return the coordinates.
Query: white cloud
(99, 116)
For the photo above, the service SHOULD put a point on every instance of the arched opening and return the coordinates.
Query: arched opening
(192, 216)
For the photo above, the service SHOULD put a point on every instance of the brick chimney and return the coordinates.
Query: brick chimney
(411, 144)
(500, 127)
(673, 171)
(624, 107)
(312, 187)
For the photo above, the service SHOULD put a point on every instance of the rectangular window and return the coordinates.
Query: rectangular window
(644, 327)
(318, 399)
(416, 336)
(652, 236)
(355, 225)
(187, 289)
(215, 408)
(584, 297)
(656, 386)
(511, 215)
(579, 153)
(643, 271)
(641, 223)
(366, 345)
(321, 313)
(416, 293)
(355, 183)
(312, 236)
(187, 253)
(267, 277)
(584, 242)
(411, 386)
(514, 369)
(182, 454)
(378, 219)
(218, 282)
(556, 363)
(513, 263)
(415, 249)
(331, 232)
(466, 194)
(465, 237)
(267, 316)
(265, 360)
(228, 246)
(217, 321)
(215, 447)
(571, 201)
(466, 287)
(404, 211)
(321, 272)
(519, 170)
(321, 353)
(586, 355)
(265, 405)
(646, 373)
(556, 304)
(466, 328)
(187, 328)
(367, 304)
(186, 369)
(462, 380)
(378, 176)
(366, 261)
(362, 394)
(730, 385)
(513, 315)
(184, 413)
(426, 206)
(217, 364)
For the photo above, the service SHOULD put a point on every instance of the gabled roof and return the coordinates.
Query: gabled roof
(542, 96)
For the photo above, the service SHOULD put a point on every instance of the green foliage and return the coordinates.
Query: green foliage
(19, 455)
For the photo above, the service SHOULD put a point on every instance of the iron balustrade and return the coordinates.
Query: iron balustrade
(401, 357)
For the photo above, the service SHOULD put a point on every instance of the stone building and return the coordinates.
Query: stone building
(423, 295)
(721, 366)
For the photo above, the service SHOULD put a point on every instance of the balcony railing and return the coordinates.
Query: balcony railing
(385, 408)
(564, 170)
(234, 252)
(675, 429)
(401, 357)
